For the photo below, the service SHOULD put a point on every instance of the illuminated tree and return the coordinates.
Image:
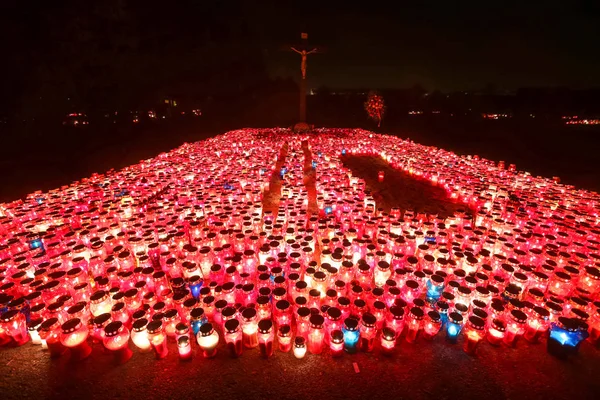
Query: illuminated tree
(375, 107)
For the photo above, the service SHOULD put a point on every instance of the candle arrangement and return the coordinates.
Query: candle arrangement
(224, 241)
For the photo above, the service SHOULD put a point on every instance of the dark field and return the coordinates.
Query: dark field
(58, 156)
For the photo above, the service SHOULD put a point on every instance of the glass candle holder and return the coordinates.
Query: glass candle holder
(537, 324)
(515, 327)
(50, 336)
(316, 334)
(157, 338)
(414, 322)
(565, 337)
(395, 319)
(351, 335)
(74, 337)
(197, 319)
(496, 332)
(249, 328)
(139, 335)
(116, 340)
(454, 326)
(432, 324)
(388, 341)
(284, 337)
(233, 337)
(299, 347)
(336, 343)
(265, 337)
(368, 332)
(435, 288)
(14, 325)
(184, 347)
(33, 329)
(208, 339)
(474, 332)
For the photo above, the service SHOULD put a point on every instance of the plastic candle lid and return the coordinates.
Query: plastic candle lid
(71, 325)
(284, 330)
(455, 317)
(317, 320)
(334, 313)
(369, 320)
(299, 341)
(388, 333)
(434, 315)
(231, 325)
(140, 324)
(476, 322)
(337, 336)
(249, 313)
(264, 325)
(518, 315)
(155, 326)
(9, 315)
(282, 305)
(113, 328)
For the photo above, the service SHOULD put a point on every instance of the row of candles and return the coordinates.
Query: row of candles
(180, 247)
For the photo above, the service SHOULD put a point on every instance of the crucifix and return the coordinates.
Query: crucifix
(304, 51)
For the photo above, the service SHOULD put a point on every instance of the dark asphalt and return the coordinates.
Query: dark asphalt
(422, 370)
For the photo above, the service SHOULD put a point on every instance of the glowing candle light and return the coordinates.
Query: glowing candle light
(432, 324)
(74, 337)
(474, 332)
(299, 347)
(233, 337)
(116, 339)
(184, 347)
(157, 338)
(453, 326)
(515, 327)
(351, 335)
(249, 328)
(284, 337)
(565, 337)
(139, 335)
(537, 324)
(414, 322)
(208, 339)
(388, 341)
(265, 337)
(50, 333)
(316, 334)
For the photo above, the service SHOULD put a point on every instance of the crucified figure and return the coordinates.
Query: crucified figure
(304, 53)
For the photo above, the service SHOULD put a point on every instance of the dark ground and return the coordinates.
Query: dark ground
(423, 370)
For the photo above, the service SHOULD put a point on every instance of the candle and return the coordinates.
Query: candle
(233, 337)
(50, 337)
(432, 324)
(453, 326)
(208, 339)
(351, 335)
(184, 347)
(33, 328)
(249, 328)
(474, 332)
(284, 337)
(74, 337)
(537, 324)
(515, 327)
(116, 340)
(565, 337)
(197, 318)
(415, 319)
(299, 347)
(368, 331)
(388, 341)
(316, 334)
(139, 335)
(496, 332)
(265, 337)
(157, 338)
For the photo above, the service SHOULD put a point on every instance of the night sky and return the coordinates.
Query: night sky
(446, 45)
(441, 45)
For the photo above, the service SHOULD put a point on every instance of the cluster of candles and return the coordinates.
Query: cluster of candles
(181, 248)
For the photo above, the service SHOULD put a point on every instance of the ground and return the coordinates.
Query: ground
(422, 370)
